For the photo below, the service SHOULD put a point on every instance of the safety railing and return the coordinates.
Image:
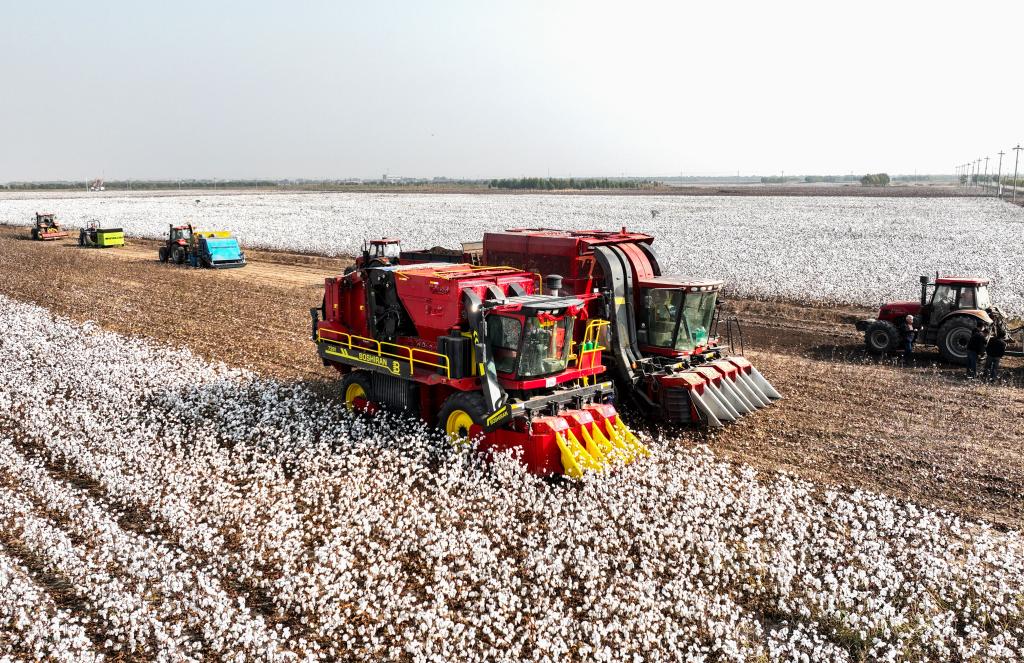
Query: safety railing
(404, 353)
(589, 345)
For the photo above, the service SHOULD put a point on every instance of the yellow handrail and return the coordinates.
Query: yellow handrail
(377, 347)
(590, 334)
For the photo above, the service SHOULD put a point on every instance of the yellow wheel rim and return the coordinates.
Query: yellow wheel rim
(457, 425)
(354, 391)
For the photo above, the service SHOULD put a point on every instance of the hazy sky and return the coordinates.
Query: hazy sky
(487, 89)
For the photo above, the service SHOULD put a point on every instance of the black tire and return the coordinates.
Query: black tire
(35, 233)
(162, 253)
(356, 380)
(881, 337)
(178, 255)
(469, 403)
(953, 336)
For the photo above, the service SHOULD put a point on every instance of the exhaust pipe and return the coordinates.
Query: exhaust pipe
(924, 291)
(552, 284)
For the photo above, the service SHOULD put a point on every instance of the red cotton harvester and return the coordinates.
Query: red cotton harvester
(665, 355)
(478, 352)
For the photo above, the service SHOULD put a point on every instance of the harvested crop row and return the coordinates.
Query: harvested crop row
(380, 541)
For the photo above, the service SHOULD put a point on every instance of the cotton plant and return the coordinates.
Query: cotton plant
(842, 250)
(201, 511)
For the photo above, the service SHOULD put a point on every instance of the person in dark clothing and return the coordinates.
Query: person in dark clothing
(975, 348)
(909, 334)
(994, 352)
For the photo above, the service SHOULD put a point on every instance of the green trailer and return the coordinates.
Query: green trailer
(100, 237)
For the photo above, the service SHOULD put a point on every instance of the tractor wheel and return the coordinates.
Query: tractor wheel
(953, 337)
(35, 233)
(357, 391)
(881, 337)
(163, 254)
(460, 411)
(178, 255)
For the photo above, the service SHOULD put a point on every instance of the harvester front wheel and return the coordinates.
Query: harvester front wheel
(357, 391)
(881, 337)
(459, 412)
(954, 335)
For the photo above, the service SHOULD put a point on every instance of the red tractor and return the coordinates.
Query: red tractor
(945, 317)
(47, 228)
(477, 352)
(176, 246)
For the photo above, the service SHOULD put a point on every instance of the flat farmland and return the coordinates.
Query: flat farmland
(179, 481)
(822, 249)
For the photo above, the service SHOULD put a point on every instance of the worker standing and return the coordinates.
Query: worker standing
(909, 335)
(976, 348)
(994, 353)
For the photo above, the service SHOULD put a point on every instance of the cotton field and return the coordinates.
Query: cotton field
(156, 507)
(845, 250)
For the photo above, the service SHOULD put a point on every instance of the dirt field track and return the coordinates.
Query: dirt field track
(920, 433)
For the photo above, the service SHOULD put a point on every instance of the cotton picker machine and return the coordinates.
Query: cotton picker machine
(481, 354)
(665, 356)
(47, 228)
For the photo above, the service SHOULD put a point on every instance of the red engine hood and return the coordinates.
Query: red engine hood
(894, 310)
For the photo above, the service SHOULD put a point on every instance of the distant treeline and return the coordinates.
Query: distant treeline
(550, 183)
(121, 185)
(809, 179)
(875, 179)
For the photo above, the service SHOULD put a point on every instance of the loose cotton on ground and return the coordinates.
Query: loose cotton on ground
(155, 505)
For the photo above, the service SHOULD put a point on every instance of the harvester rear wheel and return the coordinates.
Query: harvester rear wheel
(356, 390)
(459, 412)
(881, 337)
(953, 337)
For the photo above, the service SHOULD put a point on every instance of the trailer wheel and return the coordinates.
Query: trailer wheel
(953, 337)
(881, 337)
(356, 390)
(459, 412)
(162, 253)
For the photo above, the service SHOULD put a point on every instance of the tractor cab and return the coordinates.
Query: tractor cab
(952, 294)
(46, 220)
(676, 316)
(380, 252)
(181, 235)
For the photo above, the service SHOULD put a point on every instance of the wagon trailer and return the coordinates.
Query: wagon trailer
(216, 249)
(480, 353)
(94, 236)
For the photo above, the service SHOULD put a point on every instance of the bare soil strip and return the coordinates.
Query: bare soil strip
(847, 419)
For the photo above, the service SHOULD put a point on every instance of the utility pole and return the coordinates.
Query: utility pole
(986, 169)
(999, 176)
(1016, 160)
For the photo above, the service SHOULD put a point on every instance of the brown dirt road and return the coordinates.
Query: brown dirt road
(847, 420)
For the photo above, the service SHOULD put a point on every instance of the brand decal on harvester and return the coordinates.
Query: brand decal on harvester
(390, 365)
(498, 416)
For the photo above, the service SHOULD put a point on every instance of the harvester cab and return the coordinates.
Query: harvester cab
(478, 352)
(948, 311)
(47, 228)
(665, 355)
